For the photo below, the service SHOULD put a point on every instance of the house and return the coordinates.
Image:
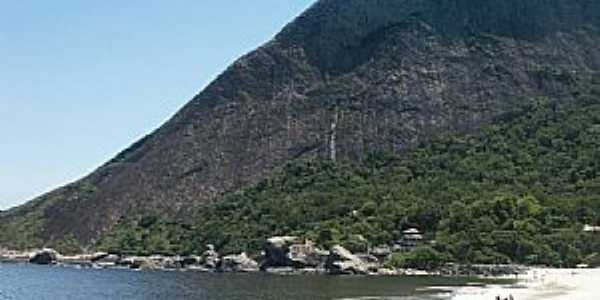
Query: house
(411, 239)
(591, 229)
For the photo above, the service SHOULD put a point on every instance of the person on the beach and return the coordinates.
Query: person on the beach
(498, 298)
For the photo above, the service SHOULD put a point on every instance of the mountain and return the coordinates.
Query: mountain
(346, 79)
(520, 190)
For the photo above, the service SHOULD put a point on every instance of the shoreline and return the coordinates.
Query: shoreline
(168, 263)
(276, 259)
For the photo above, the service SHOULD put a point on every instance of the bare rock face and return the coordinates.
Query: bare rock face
(347, 78)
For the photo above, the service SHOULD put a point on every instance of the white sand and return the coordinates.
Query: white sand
(542, 284)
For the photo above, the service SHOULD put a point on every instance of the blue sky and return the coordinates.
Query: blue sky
(82, 80)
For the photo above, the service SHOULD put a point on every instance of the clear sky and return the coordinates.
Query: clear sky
(82, 80)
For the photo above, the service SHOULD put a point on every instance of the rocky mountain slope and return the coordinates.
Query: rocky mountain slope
(346, 79)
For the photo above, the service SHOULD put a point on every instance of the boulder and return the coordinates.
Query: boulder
(277, 249)
(287, 252)
(105, 259)
(238, 263)
(135, 262)
(343, 262)
(210, 258)
(191, 260)
(307, 255)
(381, 252)
(44, 257)
(126, 261)
(172, 262)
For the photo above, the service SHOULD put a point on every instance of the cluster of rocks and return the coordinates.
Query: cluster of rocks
(281, 255)
(210, 260)
(289, 254)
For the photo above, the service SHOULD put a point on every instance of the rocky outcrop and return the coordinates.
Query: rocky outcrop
(343, 262)
(289, 252)
(277, 250)
(44, 257)
(238, 263)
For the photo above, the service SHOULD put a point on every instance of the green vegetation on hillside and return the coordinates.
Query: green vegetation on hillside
(519, 191)
(20, 232)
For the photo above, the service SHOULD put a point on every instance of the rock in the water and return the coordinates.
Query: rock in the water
(277, 249)
(105, 258)
(172, 262)
(343, 262)
(135, 262)
(191, 260)
(238, 263)
(44, 257)
(287, 252)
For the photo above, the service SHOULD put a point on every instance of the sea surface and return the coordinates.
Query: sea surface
(24, 281)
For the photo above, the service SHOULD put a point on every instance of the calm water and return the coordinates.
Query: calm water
(21, 281)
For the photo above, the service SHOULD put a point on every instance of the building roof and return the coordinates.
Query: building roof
(588, 228)
(413, 237)
(411, 231)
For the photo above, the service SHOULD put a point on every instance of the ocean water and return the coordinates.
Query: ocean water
(24, 281)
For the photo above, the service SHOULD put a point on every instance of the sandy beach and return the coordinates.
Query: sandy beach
(542, 284)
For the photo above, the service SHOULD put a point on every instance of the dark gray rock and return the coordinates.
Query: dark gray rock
(104, 258)
(290, 252)
(44, 257)
(191, 260)
(277, 250)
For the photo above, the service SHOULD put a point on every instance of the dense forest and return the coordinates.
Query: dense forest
(519, 191)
